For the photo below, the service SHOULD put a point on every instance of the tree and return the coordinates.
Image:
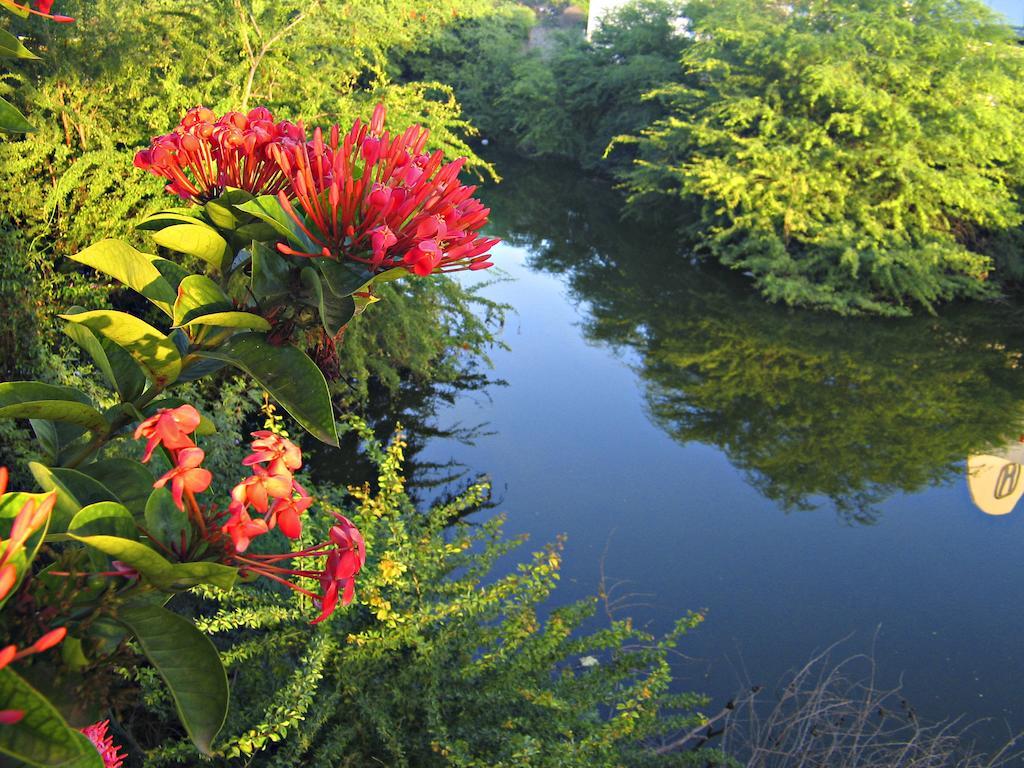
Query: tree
(854, 155)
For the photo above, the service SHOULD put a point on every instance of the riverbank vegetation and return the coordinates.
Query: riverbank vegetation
(860, 157)
(303, 269)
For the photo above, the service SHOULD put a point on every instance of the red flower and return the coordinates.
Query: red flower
(10, 716)
(242, 528)
(29, 519)
(170, 427)
(285, 515)
(381, 201)
(206, 154)
(104, 743)
(280, 453)
(187, 475)
(343, 563)
(257, 490)
(43, 8)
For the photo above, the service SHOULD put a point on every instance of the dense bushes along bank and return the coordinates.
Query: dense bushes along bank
(852, 155)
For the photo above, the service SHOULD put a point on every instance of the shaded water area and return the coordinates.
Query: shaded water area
(801, 476)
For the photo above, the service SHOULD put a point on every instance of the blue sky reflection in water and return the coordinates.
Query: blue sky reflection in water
(800, 475)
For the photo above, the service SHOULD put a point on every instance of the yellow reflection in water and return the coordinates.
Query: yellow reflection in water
(996, 480)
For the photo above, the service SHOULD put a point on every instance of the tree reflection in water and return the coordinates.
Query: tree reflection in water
(810, 406)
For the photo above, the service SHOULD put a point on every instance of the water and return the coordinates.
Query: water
(800, 476)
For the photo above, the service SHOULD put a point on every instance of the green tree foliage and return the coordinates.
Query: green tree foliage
(127, 71)
(854, 155)
(811, 407)
(440, 662)
(567, 101)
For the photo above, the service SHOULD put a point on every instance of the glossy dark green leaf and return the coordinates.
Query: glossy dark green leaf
(270, 273)
(341, 279)
(11, 120)
(151, 349)
(158, 570)
(67, 411)
(122, 373)
(196, 239)
(130, 267)
(268, 209)
(52, 436)
(173, 273)
(335, 311)
(74, 491)
(42, 737)
(164, 521)
(290, 377)
(105, 518)
(128, 479)
(190, 666)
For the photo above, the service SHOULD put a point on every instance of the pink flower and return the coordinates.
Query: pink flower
(104, 743)
(382, 201)
(170, 427)
(43, 8)
(187, 475)
(10, 716)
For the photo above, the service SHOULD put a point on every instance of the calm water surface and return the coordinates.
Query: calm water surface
(802, 477)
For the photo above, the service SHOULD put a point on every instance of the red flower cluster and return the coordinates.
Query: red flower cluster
(206, 154)
(172, 427)
(277, 499)
(381, 201)
(111, 753)
(43, 8)
(271, 490)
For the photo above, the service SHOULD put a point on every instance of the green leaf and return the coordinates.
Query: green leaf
(172, 273)
(341, 279)
(12, 48)
(335, 311)
(117, 366)
(270, 273)
(105, 518)
(168, 218)
(41, 737)
(156, 569)
(130, 267)
(66, 411)
(11, 120)
(128, 479)
(52, 436)
(74, 491)
(244, 320)
(290, 377)
(221, 215)
(17, 9)
(198, 295)
(268, 209)
(151, 349)
(190, 666)
(164, 521)
(196, 240)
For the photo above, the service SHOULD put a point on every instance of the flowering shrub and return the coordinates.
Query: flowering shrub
(123, 536)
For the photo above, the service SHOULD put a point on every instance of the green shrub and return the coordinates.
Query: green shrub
(854, 155)
(440, 662)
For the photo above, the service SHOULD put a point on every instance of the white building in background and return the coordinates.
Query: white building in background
(599, 8)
